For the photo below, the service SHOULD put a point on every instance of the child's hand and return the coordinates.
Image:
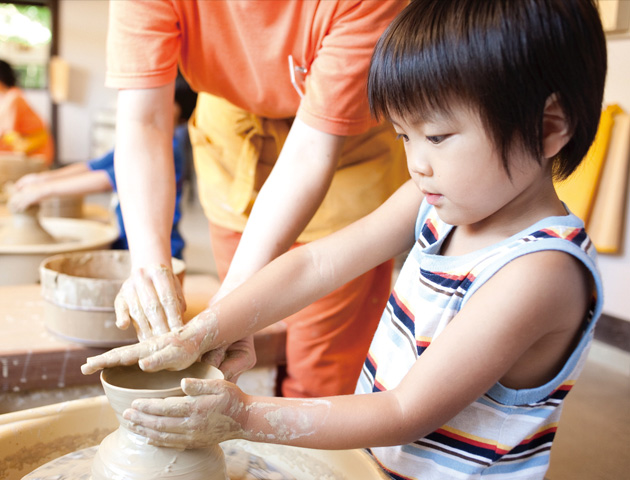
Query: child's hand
(175, 350)
(29, 179)
(213, 411)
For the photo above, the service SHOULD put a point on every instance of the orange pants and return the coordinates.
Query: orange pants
(327, 342)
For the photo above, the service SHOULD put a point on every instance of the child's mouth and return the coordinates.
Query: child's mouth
(432, 198)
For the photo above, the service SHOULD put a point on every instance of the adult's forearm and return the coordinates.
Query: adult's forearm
(145, 172)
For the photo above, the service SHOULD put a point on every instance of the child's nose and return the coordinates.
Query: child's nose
(420, 165)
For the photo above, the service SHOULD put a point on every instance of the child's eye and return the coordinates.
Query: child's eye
(402, 136)
(436, 139)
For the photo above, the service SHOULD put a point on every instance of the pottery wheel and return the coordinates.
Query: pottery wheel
(241, 465)
(25, 229)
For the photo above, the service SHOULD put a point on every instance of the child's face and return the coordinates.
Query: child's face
(458, 169)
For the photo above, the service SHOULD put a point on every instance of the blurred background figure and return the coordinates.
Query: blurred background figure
(97, 175)
(21, 128)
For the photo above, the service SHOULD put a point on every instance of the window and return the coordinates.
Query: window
(26, 40)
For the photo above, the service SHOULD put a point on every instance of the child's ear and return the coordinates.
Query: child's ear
(556, 132)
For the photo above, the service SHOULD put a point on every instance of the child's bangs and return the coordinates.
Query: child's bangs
(413, 93)
(412, 74)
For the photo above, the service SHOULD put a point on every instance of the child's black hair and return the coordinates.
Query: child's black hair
(503, 59)
(7, 74)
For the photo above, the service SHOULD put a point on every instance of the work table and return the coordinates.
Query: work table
(33, 358)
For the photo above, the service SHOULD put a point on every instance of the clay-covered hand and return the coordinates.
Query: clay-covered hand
(21, 199)
(29, 179)
(233, 359)
(152, 300)
(213, 411)
(175, 350)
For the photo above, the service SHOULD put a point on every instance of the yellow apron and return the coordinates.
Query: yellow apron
(234, 152)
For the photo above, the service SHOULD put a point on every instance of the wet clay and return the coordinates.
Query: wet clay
(19, 264)
(25, 229)
(241, 465)
(125, 454)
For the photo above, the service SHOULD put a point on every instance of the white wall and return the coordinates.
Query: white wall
(616, 268)
(82, 37)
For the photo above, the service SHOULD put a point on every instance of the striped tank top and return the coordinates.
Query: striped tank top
(505, 433)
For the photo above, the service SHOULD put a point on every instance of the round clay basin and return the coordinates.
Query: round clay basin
(19, 264)
(124, 384)
(80, 289)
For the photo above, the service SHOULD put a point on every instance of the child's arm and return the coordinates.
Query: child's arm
(516, 331)
(82, 183)
(46, 175)
(286, 285)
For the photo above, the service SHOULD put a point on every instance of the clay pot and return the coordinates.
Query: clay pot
(80, 289)
(125, 454)
(65, 207)
(25, 229)
(19, 264)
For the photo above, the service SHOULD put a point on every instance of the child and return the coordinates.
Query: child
(493, 311)
(98, 176)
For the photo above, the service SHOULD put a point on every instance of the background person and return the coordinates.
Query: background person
(21, 128)
(97, 175)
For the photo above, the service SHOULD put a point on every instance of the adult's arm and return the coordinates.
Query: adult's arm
(145, 177)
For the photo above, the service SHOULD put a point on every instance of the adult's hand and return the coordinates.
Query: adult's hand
(233, 359)
(152, 300)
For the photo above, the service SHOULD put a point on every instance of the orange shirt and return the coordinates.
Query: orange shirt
(239, 50)
(21, 129)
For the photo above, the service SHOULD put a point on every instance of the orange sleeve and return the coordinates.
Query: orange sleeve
(147, 38)
(335, 98)
(221, 49)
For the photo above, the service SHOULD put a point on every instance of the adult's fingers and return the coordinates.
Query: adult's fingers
(123, 318)
(170, 295)
(215, 356)
(150, 302)
(241, 356)
(128, 308)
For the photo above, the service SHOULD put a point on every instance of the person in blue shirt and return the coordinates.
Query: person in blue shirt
(97, 175)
